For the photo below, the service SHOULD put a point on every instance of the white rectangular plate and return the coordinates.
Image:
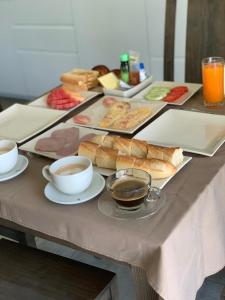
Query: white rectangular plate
(42, 101)
(20, 122)
(192, 89)
(159, 183)
(97, 111)
(30, 146)
(131, 92)
(195, 132)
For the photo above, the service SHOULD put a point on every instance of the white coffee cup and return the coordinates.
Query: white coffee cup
(8, 155)
(70, 175)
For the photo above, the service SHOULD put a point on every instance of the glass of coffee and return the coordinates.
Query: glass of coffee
(130, 188)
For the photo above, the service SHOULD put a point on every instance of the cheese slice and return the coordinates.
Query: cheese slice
(109, 81)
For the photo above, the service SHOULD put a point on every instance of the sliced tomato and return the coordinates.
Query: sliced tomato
(81, 119)
(171, 98)
(180, 88)
(108, 101)
(177, 93)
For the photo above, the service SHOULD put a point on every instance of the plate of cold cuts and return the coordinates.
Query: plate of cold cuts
(59, 141)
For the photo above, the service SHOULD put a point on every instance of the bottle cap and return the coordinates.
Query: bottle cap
(142, 66)
(124, 57)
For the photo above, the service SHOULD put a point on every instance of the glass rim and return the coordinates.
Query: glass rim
(123, 172)
(212, 59)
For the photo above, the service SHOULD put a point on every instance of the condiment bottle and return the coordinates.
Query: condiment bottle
(134, 74)
(142, 72)
(124, 67)
(134, 77)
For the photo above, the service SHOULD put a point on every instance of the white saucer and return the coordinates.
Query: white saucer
(97, 185)
(22, 163)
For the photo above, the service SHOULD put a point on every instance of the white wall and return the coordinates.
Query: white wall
(41, 39)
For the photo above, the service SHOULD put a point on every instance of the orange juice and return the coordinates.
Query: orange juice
(213, 81)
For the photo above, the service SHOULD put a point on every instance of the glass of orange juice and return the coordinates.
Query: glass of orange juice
(213, 81)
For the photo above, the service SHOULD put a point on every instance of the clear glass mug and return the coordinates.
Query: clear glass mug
(130, 188)
(213, 81)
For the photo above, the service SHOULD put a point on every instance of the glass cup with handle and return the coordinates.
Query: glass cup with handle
(130, 188)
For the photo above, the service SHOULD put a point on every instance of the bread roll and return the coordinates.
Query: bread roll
(102, 69)
(98, 139)
(139, 148)
(106, 157)
(109, 141)
(122, 145)
(157, 168)
(124, 162)
(88, 149)
(172, 155)
(104, 140)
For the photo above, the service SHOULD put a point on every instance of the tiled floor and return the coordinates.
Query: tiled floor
(210, 290)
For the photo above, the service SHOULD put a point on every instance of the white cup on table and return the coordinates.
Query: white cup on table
(70, 175)
(8, 155)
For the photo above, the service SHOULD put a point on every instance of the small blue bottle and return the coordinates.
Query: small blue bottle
(142, 72)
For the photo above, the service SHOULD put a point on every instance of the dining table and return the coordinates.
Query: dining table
(170, 253)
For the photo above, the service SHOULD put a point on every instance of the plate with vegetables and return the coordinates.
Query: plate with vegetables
(168, 91)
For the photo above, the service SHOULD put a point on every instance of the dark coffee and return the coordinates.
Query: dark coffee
(129, 192)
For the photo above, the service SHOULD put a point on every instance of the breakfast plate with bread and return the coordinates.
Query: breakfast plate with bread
(117, 114)
(109, 153)
(59, 141)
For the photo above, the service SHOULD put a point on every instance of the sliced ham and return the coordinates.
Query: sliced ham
(68, 149)
(72, 140)
(50, 144)
(71, 133)
(63, 142)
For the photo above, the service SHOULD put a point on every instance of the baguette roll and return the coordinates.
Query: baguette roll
(122, 145)
(157, 168)
(124, 162)
(98, 139)
(172, 155)
(138, 148)
(104, 140)
(108, 141)
(88, 149)
(106, 157)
